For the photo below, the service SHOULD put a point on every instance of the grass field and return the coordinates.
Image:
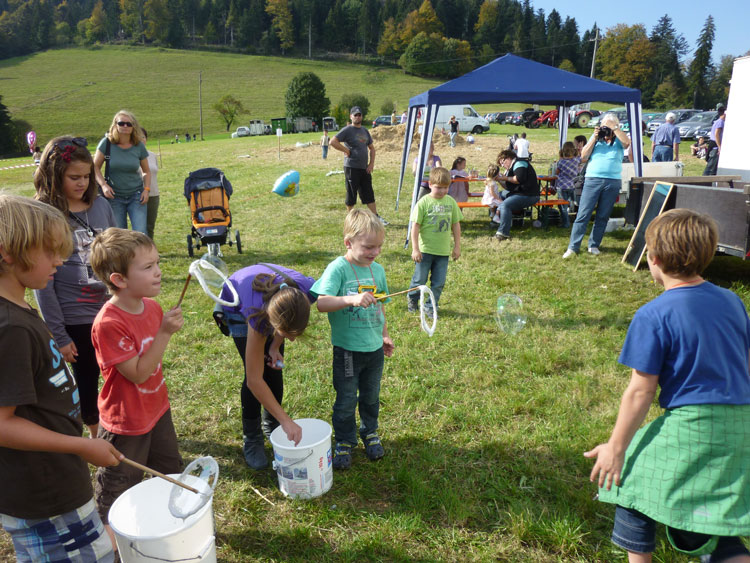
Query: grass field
(484, 431)
(79, 90)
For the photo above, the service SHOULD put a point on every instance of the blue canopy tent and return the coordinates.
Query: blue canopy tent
(514, 79)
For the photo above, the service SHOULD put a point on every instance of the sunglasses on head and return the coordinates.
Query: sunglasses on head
(74, 142)
(124, 124)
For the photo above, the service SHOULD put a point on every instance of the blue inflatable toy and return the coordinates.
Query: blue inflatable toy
(287, 185)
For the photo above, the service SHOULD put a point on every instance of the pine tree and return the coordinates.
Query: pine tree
(701, 69)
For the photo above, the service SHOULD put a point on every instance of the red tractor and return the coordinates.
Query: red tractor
(548, 118)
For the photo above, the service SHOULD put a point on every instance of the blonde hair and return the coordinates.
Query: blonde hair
(440, 176)
(568, 150)
(113, 251)
(361, 222)
(50, 175)
(286, 309)
(492, 172)
(30, 225)
(136, 135)
(683, 240)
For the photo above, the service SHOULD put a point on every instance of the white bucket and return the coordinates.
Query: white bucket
(614, 224)
(146, 531)
(304, 470)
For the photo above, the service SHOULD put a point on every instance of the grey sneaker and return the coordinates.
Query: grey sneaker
(594, 250)
(501, 237)
(342, 456)
(569, 254)
(373, 447)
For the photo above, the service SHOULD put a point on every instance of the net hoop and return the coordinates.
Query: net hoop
(201, 474)
(429, 329)
(195, 271)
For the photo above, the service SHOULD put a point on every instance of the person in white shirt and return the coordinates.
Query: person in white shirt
(521, 146)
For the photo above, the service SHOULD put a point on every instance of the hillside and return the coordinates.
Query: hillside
(78, 90)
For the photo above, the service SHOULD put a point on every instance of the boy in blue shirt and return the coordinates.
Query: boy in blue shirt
(359, 334)
(690, 468)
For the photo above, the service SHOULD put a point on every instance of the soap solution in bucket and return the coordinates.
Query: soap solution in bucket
(304, 470)
(146, 531)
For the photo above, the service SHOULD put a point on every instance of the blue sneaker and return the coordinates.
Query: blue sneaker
(373, 447)
(342, 456)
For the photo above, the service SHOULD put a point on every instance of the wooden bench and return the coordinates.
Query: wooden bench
(541, 207)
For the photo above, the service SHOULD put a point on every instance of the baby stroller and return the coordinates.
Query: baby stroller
(208, 191)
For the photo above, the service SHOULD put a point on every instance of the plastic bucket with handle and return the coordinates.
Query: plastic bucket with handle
(146, 531)
(304, 470)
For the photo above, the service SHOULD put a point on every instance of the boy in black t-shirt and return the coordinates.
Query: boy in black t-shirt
(46, 502)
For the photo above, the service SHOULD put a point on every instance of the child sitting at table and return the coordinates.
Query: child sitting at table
(567, 170)
(459, 190)
(491, 195)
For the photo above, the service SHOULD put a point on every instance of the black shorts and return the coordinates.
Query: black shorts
(358, 181)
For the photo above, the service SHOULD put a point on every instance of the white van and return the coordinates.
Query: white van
(469, 121)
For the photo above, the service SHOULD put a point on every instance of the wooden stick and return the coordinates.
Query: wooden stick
(184, 289)
(155, 473)
(398, 293)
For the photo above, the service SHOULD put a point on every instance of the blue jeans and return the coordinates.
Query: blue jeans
(510, 204)
(600, 194)
(131, 206)
(356, 379)
(431, 263)
(663, 153)
(324, 148)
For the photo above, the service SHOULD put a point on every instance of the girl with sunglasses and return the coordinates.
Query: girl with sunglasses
(128, 182)
(73, 297)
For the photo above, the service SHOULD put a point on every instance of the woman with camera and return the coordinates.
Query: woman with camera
(603, 153)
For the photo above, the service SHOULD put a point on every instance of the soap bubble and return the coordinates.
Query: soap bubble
(212, 278)
(509, 315)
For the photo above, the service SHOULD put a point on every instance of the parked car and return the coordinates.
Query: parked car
(689, 127)
(515, 118)
(502, 117)
(647, 117)
(682, 115)
(241, 132)
(382, 120)
(620, 112)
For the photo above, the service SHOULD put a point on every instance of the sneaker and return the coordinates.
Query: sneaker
(412, 307)
(594, 250)
(501, 237)
(373, 447)
(569, 254)
(383, 220)
(342, 456)
(496, 219)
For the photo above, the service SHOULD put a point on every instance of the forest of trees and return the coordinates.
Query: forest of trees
(438, 38)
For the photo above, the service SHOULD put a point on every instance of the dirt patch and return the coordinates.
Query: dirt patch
(388, 141)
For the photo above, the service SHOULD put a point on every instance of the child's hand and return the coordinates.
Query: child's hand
(99, 452)
(274, 359)
(172, 321)
(364, 299)
(608, 465)
(292, 430)
(456, 253)
(69, 352)
(416, 255)
(388, 346)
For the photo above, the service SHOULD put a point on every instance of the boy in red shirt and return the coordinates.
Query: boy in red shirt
(130, 334)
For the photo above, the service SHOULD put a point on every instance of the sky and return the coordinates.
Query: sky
(688, 17)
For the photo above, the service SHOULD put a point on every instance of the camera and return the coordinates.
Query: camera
(604, 132)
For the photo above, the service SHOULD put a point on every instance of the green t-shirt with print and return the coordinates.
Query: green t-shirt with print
(357, 329)
(435, 218)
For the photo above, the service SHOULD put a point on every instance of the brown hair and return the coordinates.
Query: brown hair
(507, 153)
(113, 251)
(136, 135)
(362, 222)
(286, 309)
(49, 176)
(568, 150)
(440, 176)
(683, 240)
(30, 225)
(459, 160)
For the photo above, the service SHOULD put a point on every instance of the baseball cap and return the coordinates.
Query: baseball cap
(720, 106)
(355, 110)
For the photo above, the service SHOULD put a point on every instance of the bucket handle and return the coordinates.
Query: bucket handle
(198, 557)
(297, 461)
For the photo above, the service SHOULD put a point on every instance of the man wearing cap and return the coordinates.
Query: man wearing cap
(665, 144)
(356, 143)
(714, 144)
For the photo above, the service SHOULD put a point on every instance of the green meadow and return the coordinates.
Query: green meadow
(484, 431)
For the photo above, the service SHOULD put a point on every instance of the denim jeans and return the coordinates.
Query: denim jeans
(324, 148)
(356, 379)
(663, 153)
(511, 203)
(567, 195)
(131, 206)
(600, 194)
(453, 138)
(432, 264)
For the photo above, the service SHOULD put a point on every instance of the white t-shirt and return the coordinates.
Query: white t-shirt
(522, 147)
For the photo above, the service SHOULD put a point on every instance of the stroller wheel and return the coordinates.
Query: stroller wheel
(238, 241)
(190, 246)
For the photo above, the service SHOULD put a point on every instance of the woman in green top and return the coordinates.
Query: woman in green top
(128, 180)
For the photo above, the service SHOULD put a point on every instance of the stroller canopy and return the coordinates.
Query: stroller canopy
(206, 179)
